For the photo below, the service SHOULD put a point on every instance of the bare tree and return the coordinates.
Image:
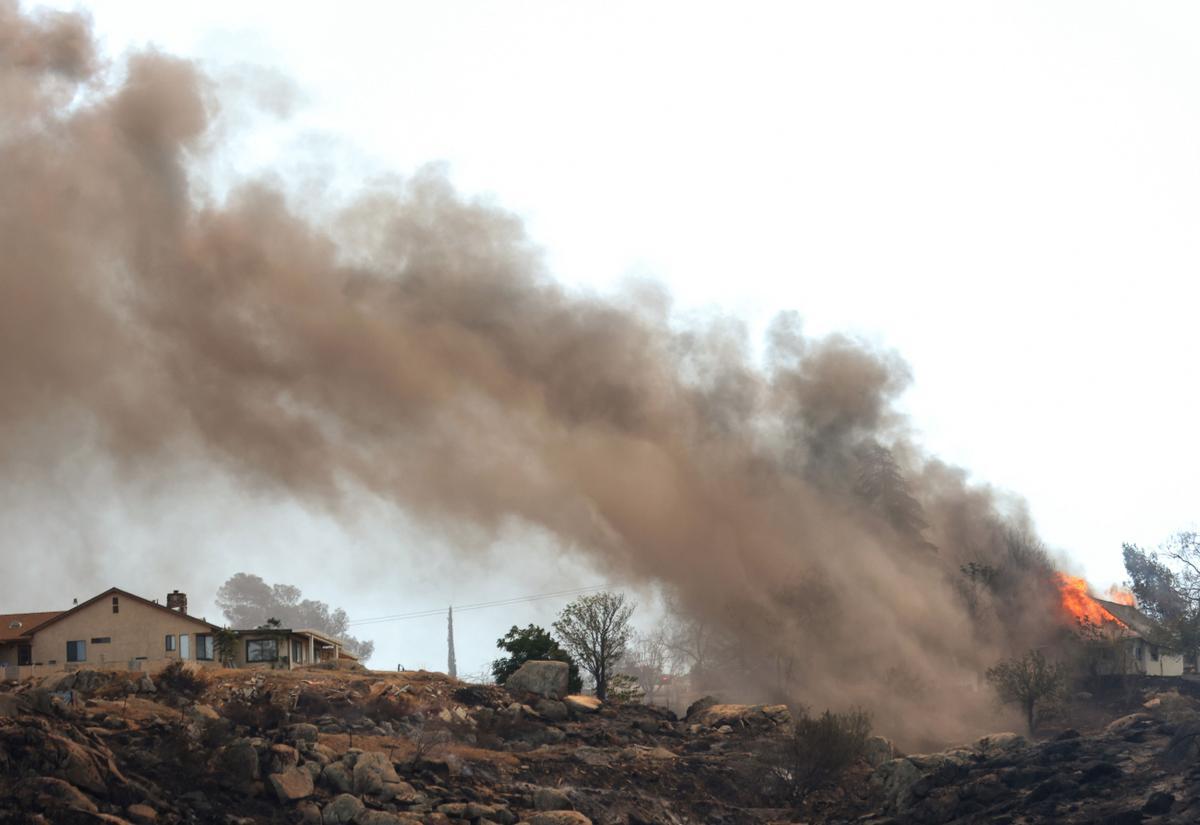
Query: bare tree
(645, 660)
(689, 642)
(1028, 682)
(595, 631)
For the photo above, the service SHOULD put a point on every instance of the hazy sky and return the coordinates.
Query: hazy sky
(1005, 193)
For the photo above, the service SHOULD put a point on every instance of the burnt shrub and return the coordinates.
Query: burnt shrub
(180, 680)
(816, 754)
(312, 703)
(259, 717)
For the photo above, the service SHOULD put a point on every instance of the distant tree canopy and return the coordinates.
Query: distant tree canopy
(1166, 583)
(532, 643)
(247, 601)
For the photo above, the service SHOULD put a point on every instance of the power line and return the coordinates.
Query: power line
(437, 611)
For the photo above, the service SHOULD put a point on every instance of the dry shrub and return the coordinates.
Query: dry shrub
(259, 717)
(180, 680)
(817, 753)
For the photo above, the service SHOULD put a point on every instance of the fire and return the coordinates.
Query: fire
(1079, 603)
(1121, 596)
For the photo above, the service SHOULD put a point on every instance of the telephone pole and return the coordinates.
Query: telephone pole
(452, 666)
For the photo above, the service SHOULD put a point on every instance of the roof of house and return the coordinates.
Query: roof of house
(13, 625)
(112, 591)
(1138, 622)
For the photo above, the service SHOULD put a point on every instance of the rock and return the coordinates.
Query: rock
(292, 785)
(551, 799)
(146, 684)
(894, 781)
(1184, 747)
(309, 813)
(72, 762)
(375, 775)
(995, 743)
(754, 717)
(142, 814)
(203, 713)
(338, 777)
(1123, 818)
(1160, 802)
(301, 732)
(545, 678)
(239, 762)
(877, 750)
(1100, 772)
(497, 813)
(45, 793)
(551, 709)
(700, 705)
(381, 818)
(57, 682)
(1127, 723)
(579, 703)
(12, 705)
(596, 757)
(559, 818)
(342, 809)
(281, 757)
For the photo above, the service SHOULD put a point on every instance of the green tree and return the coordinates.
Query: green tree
(595, 631)
(530, 644)
(1167, 586)
(225, 642)
(1029, 682)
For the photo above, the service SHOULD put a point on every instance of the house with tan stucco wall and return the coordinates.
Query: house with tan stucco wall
(118, 630)
(115, 630)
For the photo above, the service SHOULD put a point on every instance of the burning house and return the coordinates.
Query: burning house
(1122, 640)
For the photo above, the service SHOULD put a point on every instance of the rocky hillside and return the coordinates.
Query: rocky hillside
(361, 748)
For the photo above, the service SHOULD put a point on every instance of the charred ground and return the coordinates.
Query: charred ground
(376, 748)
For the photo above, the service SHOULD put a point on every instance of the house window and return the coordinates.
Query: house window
(77, 651)
(116, 605)
(24, 655)
(1154, 652)
(261, 650)
(204, 646)
(170, 642)
(102, 640)
(297, 651)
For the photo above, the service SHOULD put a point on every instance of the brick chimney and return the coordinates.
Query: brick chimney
(177, 601)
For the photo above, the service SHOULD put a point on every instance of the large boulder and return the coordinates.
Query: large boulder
(551, 709)
(755, 717)
(551, 799)
(559, 818)
(239, 763)
(46, 793)
(282, 757)
(375, 775)
(877, 750)
(342, 809)
(545, 678)
(292, 785)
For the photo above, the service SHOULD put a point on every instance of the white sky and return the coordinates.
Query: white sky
(1006, 193)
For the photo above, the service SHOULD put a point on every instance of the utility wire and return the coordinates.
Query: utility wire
(437, 611)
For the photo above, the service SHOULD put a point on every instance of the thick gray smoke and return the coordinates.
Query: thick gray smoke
(415, 348)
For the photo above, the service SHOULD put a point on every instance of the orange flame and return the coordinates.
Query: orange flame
(1121, 596)
(1079, 603)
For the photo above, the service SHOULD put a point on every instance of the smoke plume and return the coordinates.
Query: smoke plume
(413, 347)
